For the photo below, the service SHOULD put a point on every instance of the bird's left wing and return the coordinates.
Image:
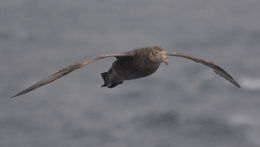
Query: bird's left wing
(68, 69)
(210, 64)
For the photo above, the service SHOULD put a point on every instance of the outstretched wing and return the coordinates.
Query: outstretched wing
(218, 70)
(67, 70)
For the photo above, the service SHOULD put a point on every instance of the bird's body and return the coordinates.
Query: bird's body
(130, 65)
(128, 68)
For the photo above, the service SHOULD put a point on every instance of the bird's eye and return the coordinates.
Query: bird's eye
(157, 52)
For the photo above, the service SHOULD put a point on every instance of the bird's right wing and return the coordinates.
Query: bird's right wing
(68, 69)
(218, 70)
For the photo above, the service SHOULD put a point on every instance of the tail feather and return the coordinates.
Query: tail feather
(110, 80)
(105, 78)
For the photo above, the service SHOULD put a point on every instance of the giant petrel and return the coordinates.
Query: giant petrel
(130, 65)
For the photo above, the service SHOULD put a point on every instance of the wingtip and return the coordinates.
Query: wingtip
(12, 97)
(18, 94)
(235, 83)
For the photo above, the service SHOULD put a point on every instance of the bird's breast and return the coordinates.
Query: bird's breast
(133, 69)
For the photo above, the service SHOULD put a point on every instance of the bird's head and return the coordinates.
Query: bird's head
(158, 55)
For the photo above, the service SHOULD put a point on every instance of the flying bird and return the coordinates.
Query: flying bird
(134, 64)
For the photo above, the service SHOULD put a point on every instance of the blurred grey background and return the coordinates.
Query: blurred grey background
(182, 105)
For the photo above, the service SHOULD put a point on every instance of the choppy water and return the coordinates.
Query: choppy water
(182, 105)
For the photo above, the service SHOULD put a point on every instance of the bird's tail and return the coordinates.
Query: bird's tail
(110, 80)
(105, 78)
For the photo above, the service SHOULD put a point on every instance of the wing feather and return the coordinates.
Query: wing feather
(67, 70)
(218, 70)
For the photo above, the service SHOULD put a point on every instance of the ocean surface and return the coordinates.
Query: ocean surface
(183, 104)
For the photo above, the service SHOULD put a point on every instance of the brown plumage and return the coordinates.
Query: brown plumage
(130, 65)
